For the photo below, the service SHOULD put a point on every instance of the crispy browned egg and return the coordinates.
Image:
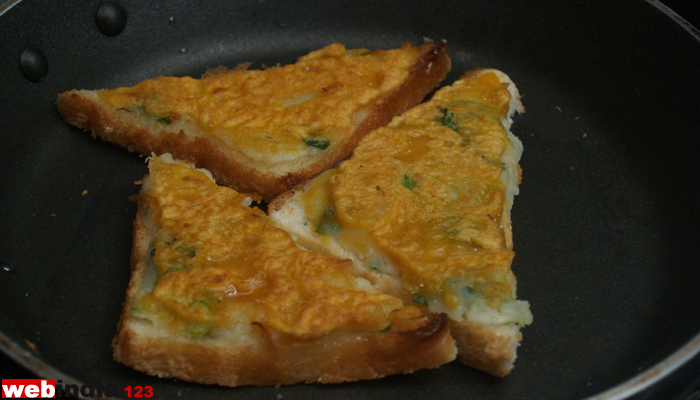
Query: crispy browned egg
(221, 263)
(428, 190)
(305, 106)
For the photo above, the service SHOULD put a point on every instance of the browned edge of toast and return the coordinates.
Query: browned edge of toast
(84, 113)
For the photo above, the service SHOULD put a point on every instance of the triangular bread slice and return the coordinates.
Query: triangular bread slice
(423, 209)
(219, 295)
(264, 131)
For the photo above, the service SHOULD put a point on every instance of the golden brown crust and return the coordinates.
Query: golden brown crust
(280, 360)
(87, 113)
(274, 358)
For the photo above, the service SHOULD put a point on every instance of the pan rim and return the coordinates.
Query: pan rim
(676, 18)
(654, 374)
(33, 363)
(7, 5)
(621, 391)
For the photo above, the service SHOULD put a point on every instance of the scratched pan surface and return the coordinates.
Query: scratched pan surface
(606, 225)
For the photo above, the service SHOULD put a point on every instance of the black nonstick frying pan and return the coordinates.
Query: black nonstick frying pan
(606, 225)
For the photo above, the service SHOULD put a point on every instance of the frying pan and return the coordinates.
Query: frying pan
(606, 225)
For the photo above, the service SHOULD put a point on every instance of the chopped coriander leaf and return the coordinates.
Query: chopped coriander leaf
(447, 118)
(451, 225)
(177, 268)
(167, 238)
(137, 309)
(165, 120)
(318, 143)
(153, 252)
(495, 163)
(201, 303)
(373, 265)
(408, 182)
(198, 329)
(420, 299)
(328, 228)
(188, 250)
(329, 224)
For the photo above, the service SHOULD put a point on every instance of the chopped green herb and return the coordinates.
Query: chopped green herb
(328, 228)
(318, 143)
(153, 252)
(198, 329)
(189, 250)
(123, 109)
(466, 291)
(373, 265)
(167, 237)
(165, 120)
(447, 118)
(495, 163)
(420, 299)
(137, 309)
(177, 268)
(450, 226)
(385, 330)
(329, 224)
(408, 182)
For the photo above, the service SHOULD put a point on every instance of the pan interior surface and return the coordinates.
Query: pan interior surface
(605, 225)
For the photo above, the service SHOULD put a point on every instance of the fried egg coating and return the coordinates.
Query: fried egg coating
(428, 190)
(221, 263)
(275, 114)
